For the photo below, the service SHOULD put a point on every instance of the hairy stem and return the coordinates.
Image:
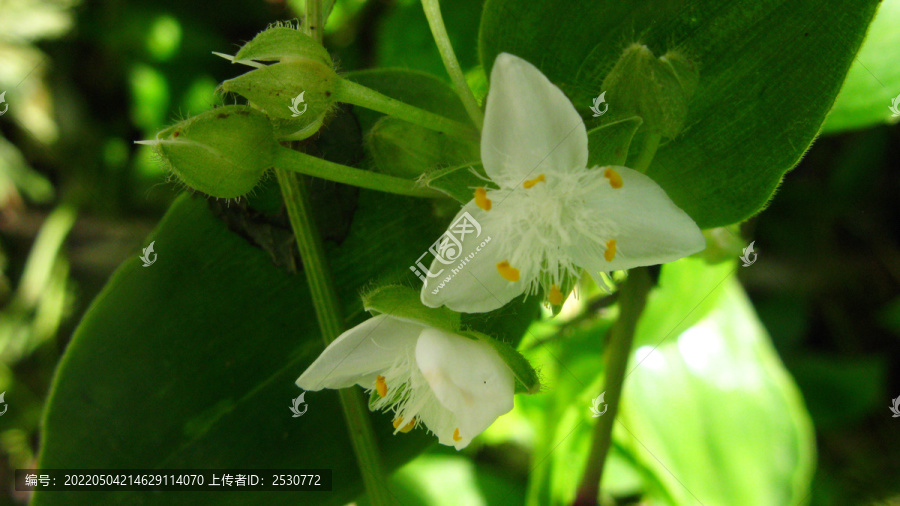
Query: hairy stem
(436, 22)
(632, 298)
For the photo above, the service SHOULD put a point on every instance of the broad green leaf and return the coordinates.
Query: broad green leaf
(424, 482)
(687, 290)
(717, 401)
(404, 38)
(769, 72)
(873, 82)
(671, 403)
(191, 362)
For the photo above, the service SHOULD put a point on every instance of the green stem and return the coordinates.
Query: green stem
(330, 318)
(436, 22)
(295, 161)
(357, 94)
(327, 305)
(632, 297)
(648, 151)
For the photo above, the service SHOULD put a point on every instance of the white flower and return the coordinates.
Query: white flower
(454, 385)
(552, 215)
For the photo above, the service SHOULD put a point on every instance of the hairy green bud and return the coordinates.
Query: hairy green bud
(295, 94)
(223, 152)
(296, 90)
(656, 89)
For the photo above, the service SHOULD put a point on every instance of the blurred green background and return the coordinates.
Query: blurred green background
(77, 197)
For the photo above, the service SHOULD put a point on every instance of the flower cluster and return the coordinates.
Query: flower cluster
(551, 216)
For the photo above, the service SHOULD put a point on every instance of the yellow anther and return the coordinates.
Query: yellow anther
(456, 435)
(381, 386)
(481, 199)
(406, 428)
(555, 296)
(615, 179)
(610, 252)
(508, 272)
(532, 182)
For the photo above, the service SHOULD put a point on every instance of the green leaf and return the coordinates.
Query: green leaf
(687, 290)
(717, 401)
(725, 416)
(769, 72)
(403, 302)
(404, 38)
(423, 482)
(191, 362)
(874, 78)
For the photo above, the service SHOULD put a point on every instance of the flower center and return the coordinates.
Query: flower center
(548, 224)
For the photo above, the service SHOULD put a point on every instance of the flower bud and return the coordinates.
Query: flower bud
(223, 152)
(297, 90)
(295, 94)
(656, 89)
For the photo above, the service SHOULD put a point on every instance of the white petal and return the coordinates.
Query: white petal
(467, 277)
(468, 378)
(530, 127)
(357, 354)
(647, 226)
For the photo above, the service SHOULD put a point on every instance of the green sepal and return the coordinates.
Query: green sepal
(404, 302)
(526, 377)
(222, 152)
(656, 89)
(282, 43)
